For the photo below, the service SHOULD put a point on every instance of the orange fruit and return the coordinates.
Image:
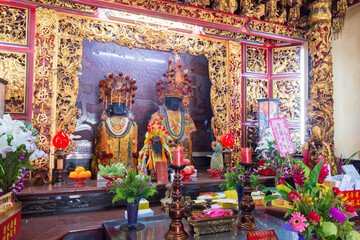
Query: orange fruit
(79, 169)
(83, 175)
(73, 175)
(88, 173)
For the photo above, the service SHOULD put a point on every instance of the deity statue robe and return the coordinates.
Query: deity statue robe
(178, 126)
(115, 141)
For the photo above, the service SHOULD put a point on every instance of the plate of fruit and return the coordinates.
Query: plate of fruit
(187, 171)
(213, 221)
(79, 175)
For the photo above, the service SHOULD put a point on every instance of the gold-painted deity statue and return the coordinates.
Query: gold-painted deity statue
(174, 88)
(116, 137)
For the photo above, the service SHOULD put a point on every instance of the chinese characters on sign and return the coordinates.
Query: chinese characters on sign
(282, 136)
(11, 227)
(262, 235)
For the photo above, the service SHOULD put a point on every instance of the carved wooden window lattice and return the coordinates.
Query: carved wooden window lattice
(271, 72)
(13, 24)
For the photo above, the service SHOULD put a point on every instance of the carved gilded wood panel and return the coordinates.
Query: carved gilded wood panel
(255, 89)
(256, 59)
(288, 91)
(251, 137)
(286, 60)
(13, 68)
(13, 24)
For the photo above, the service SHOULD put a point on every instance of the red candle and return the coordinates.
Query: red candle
(178, 155)
(246, 155)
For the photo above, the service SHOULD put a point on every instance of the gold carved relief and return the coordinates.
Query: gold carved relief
(277, 29)
(252, 137)
(227, 6)
(255, 89)
(235, 35)
(320, 122)
(67, 4)
(13, 66)
(234, 108)
(44, 80)
(288, 91)
(256, 59)
(286, 60)
(13, 24)
(73, 29)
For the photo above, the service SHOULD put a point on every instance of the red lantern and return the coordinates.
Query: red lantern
(228, 140)
(60, 140)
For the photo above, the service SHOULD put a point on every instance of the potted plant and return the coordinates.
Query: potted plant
(18, 147)
(269, 152)
(234, 180)
(316, 211)
(132, 188)
(112, 172)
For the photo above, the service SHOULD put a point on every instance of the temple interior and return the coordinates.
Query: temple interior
(188, 119)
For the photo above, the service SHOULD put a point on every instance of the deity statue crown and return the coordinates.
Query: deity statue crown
(175, 83)
(117, 88)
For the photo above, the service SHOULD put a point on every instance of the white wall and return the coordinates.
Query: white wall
(346, 58)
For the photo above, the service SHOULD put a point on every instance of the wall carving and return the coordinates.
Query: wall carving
(252, 137)
(13, 68)
(44, 84)
(286, 60)
(67, 4)
(13, 24)
(264, 27)
(255, 89)
(256, 59)
(320, 122)
(288, 91)
(235, 89)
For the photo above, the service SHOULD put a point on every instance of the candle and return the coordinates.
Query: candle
(246, 155)
(178, 155)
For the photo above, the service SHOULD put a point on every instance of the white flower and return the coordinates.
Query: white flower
(21, 137)
(37, 154)
(4, 147)
(7, 125)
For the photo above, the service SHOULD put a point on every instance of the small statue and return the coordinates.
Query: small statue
(217, 163)
(116, 137)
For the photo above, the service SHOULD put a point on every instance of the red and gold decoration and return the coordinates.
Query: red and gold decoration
(148, 157)
(60, 142)
(227, 143)
(176, 83)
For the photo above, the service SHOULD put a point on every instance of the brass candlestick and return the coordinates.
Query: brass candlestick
(177, 210)
(59, 166)
(227, 159)
(247, 205)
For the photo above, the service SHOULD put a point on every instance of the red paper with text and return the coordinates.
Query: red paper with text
(262, 235)
(162, 175)
(11, 227)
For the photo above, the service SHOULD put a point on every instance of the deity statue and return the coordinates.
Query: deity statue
(178, 126)
(116, 137)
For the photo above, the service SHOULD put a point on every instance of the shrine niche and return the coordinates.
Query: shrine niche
(72, 30)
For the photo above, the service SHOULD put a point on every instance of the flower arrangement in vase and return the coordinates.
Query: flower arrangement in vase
(234, 180)
(316, 210)
(131, 188)
(268, 150)
(17, 149)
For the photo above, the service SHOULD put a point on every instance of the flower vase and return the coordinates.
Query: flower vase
(132, 214)
(240, 193)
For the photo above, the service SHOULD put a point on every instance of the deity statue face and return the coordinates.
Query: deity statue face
(117, 109)
(172, 103)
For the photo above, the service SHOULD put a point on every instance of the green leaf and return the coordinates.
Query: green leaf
(306, 168)
(272, 197)
(314, 175)
(283, 188)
